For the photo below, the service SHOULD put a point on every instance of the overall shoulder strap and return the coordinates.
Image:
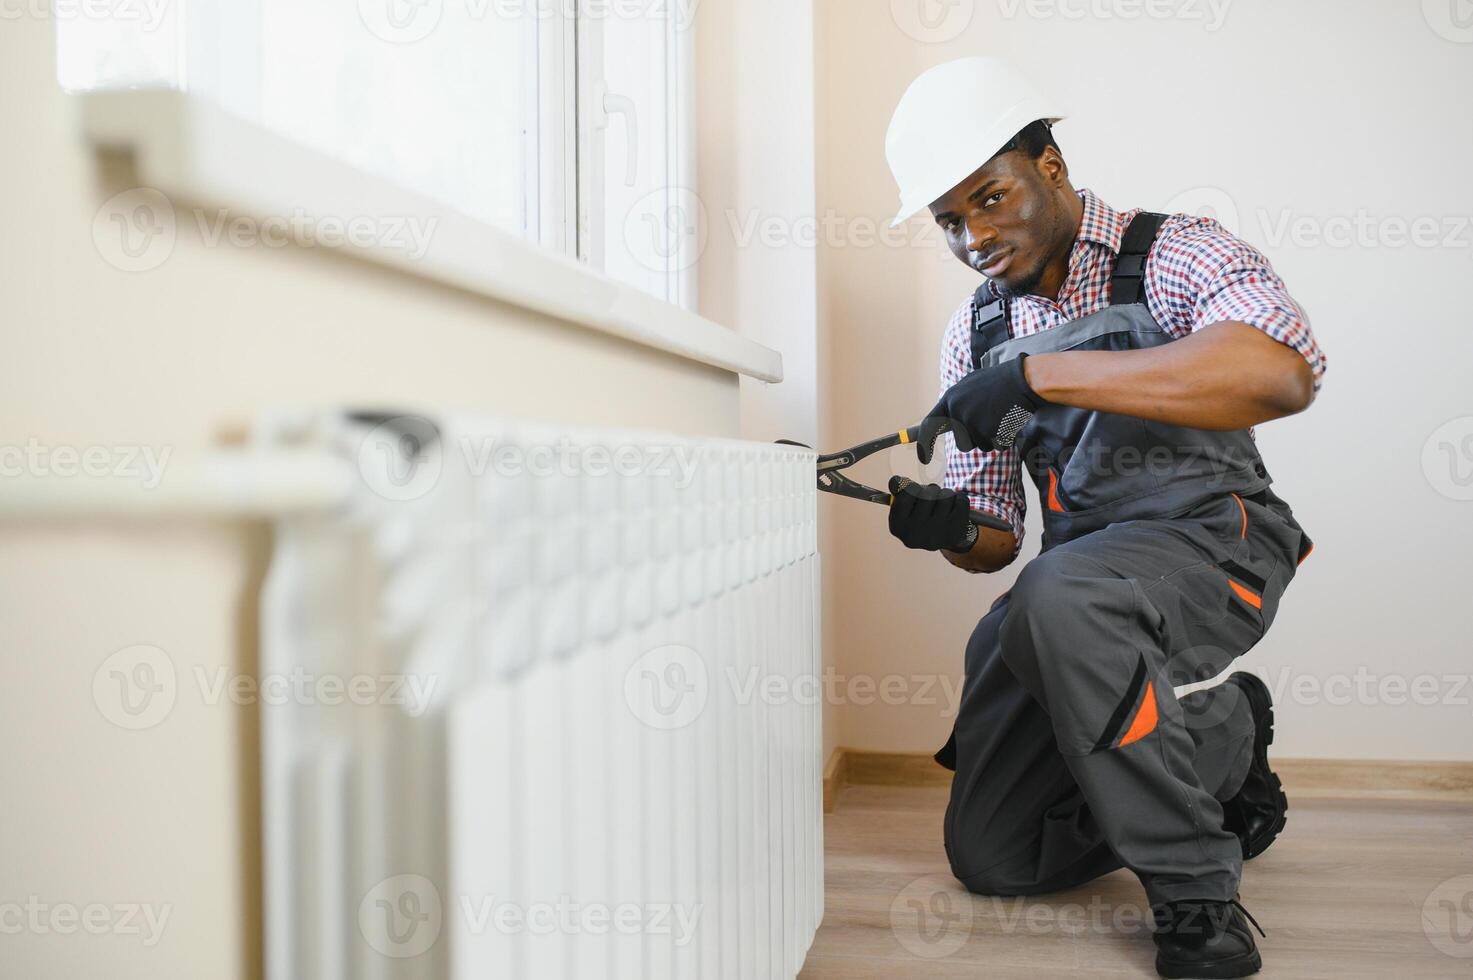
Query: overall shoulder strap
(1128, 284)
(989, 323)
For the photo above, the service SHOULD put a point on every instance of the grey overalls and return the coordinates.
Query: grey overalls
(1164, 557)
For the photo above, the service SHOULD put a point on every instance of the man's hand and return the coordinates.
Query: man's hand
(989, 407)
(929, 517)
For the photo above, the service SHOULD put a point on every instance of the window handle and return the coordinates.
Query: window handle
(608, 104)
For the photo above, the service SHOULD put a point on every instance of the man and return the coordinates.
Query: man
(1121, 359)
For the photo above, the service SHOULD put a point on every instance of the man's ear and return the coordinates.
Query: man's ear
(1052, 168)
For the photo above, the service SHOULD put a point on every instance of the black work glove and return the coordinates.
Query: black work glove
(987, 408)
(930, 517)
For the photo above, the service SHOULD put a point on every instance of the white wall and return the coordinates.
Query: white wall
(1307, 111)
(756, 183)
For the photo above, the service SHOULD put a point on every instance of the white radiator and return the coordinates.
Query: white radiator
(562, 711)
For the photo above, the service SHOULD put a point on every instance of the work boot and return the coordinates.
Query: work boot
(1205, 939)
(1258, 812)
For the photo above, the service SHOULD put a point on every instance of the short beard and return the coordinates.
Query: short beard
(1030, 280)
(1023, 287)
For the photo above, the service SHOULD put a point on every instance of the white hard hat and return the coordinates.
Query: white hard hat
(952, 120)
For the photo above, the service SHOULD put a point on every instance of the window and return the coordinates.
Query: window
(567, 122)
(642, 220)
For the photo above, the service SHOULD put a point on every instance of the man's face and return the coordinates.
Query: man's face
(1006, 220)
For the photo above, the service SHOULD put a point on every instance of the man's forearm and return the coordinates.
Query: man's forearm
(1225, 376)
(992, 550)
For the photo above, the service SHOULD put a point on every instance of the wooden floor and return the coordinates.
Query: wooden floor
(1341, 894)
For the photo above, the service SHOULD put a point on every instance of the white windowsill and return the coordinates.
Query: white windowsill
(192, 151)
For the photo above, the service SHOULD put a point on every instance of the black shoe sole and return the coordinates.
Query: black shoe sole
(1261, 703)
(1240, 966)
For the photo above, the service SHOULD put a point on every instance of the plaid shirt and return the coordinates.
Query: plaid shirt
(1197, 274)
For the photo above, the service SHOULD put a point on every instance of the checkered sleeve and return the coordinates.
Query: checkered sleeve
(1202, 274)
(993, 480)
